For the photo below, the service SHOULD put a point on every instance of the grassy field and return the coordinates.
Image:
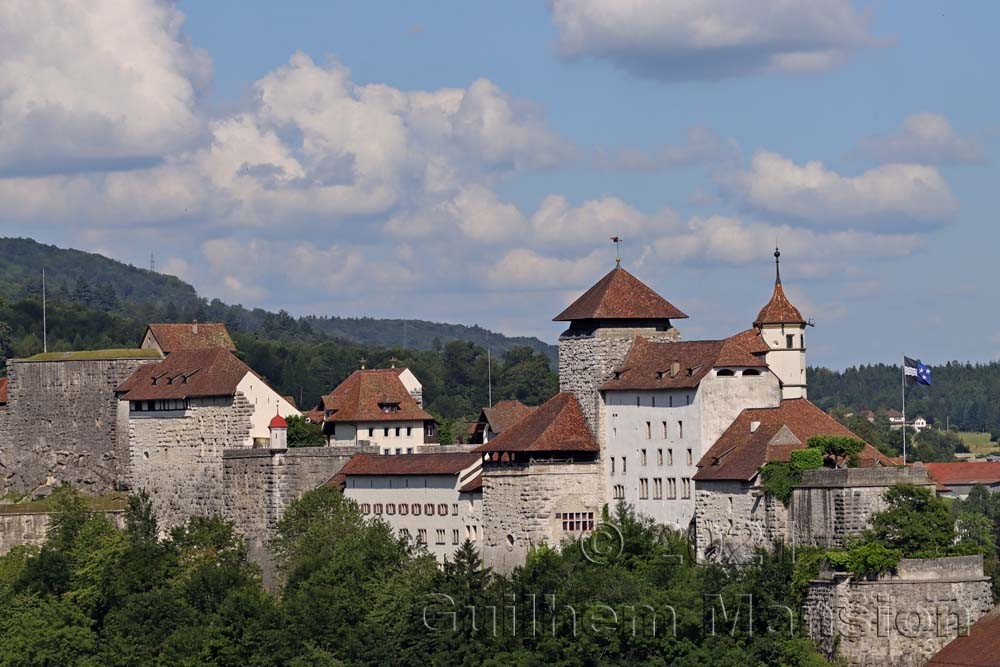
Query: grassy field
(978, 443)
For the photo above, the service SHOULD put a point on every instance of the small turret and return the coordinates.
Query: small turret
(278, 429)
(783, 328)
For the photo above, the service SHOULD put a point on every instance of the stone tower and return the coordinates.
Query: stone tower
(783, 329)
(603, 322)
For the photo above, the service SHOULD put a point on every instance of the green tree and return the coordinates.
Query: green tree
(916, 521)
(303, 433)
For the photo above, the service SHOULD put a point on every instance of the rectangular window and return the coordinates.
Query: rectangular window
(636, 401)
(686, 488)
(409, 431)
(409, 450)
(385, 431)
(399, 450)
(670, 401)
(454, 536)
(690, 457)
(397, 431)
(576, 521)
(680, 429)
(614, 432)
(619, 492)
(653, 401)
(642, 457)
(405, 534)
(649, 431)
(672, 487)
(624, 465)
(664, 424)
(657, 488)
(802, 341)
(643, 489)
(454, 509)
(789, 341)
(659, 457)
(612, 465)
(371, 433)
(440, 536)
(422, 536)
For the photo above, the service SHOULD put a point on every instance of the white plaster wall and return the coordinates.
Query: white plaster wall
(412, 385)
(788, 364)
(723, 398)
(351, 434)
(266, 403)
(625, 437)
(464, 509)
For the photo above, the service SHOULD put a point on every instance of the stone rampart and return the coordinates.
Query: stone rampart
(31, 528)
(522, 504)
(63, 424)
(831, 505)
(896, 620)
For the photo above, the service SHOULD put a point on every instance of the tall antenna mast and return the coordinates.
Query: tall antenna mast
(45, 323)
(152, 262)
(489, 375)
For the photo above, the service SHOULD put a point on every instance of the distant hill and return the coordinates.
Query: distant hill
(93, 281)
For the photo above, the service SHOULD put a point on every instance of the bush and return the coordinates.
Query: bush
(841, 447)
(806, 459)
(302, 433)
(868, 559)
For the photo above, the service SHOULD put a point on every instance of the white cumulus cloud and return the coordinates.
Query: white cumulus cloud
(711, 39)
(925, 138)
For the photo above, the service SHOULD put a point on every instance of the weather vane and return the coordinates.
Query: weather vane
(617, 240)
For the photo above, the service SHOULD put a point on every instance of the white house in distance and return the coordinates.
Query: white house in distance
(382, 407)
(434, 499)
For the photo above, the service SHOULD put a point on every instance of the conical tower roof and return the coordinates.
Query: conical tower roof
(620, 296)
(779, 310)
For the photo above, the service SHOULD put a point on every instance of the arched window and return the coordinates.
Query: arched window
(725, 373)
(751, 371)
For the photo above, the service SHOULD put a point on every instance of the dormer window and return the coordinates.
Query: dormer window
(725, 373)
(389, 408)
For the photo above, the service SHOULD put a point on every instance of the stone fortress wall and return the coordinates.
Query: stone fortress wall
(897, 620)
(31, 528)
(63, 424)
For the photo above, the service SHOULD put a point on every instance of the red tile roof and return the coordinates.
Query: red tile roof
(751, 341)
(965, 472)
(505, 414)
(409, 464)
(277, 421)
(474, 484)
(556, 426)
(779, 310)
(739, 452)
(358, 398)
(3, 391)
(979, 648)
(649, 364)
(620, 296)
(174, 337)
(186, 374)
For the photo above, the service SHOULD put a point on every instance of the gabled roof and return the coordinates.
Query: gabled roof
(505, 414)
(3, 391)
(620, 296)
(779, 310)
(750, 340)
(408, 464)
(965, 472)
(195, 336)
(979, 648)
(743, 448)
(186, 374)
(649, 364)
(558, 425)
(361, 397)
(474, 484)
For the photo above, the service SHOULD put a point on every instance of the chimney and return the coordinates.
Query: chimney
(194, 327)
(754, 425)
(675, 368)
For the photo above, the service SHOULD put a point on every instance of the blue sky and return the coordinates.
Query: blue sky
(467, 162)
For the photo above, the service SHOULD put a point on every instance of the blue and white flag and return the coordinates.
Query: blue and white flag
(916, 372)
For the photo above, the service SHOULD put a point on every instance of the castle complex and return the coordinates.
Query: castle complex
(677, 429)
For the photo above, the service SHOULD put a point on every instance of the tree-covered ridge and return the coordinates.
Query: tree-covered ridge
(93, 281)
(962, 394)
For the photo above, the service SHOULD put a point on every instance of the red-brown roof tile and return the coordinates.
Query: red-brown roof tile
(3, 391)
(505, 414)
(779, 310)
(360, 396)
(964, 472)
(979, 648)
(751, 341)
(739, 452)
(474, 484)
(556, 426)
(186, 374)
(650, 364)
(175, 337)
(620, 296)
(409, 464)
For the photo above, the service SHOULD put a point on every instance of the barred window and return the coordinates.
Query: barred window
(429, 509)
(576, 521)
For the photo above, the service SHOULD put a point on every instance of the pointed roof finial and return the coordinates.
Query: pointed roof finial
(777, 265)
(363, 362)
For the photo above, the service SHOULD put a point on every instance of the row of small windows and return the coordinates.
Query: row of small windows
(399, 450)
(729, 372)
(403, 509)
(652, 401)
(159, 404)
(644, 459)
(619, 490)
(398, 430)
(576, 521)
(439, 536)
(664, 431)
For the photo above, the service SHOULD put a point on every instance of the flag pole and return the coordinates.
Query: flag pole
(902, 372)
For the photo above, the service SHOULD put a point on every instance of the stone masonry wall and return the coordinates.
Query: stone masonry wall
(520, 503)
(831, 505)
(259, 484)
(177, 457)
(898, 620)
(32, 528)
(734, 518)
(62, 422)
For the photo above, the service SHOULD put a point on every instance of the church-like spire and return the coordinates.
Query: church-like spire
(777, 266)
(779, 310)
